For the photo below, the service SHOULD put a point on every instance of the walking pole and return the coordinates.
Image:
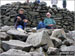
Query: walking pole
(15, 24)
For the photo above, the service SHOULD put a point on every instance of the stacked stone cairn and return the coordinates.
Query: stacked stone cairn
(32, 42)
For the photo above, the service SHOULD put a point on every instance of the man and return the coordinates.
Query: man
(54, 3)
(49, 22)
(64, 4)
(20, 20)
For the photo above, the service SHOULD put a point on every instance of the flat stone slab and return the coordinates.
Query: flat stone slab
(5, 28)
(16, 32)
(67, 48)
(14, 52)
(16, 44)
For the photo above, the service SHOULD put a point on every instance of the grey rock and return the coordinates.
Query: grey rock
(1, 50)
(16, 32)
(40, 38)
(43, 3)
(67, 48)
(5, 28)
(40, 51)
(58, 33)
(71, 34)
(36, 54)
(3, 35)
(16, 44)
(14, 52)
(0, 20)
(34, 13)
(49, 31)
(67, 43)
(1, 24)
(57, 42)
(52, 50)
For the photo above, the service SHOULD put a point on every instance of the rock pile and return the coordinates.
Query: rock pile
(43, 42)
(34, 11)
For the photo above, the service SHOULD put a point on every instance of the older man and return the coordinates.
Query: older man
(20, 20)
(49, 22)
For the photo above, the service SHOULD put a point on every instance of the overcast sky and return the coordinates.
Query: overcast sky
(70, 3)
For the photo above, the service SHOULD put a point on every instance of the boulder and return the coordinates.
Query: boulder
(67, 43)
(57, 42)
(71, 34)
(43, 3)
(14, 52)
(16, 44)
(52, 50)
(34, 13)
(49, 31)
(5, 28)
(16, 32)
(1, 50)
(67, 48)
(58, 33)
(40, 38)
(3, 35)
(38, 52)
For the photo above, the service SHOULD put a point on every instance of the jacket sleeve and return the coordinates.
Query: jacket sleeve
(25, 17)
(45, 22)
(54, 21)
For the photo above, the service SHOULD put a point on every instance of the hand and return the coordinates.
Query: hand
(25, 20)
(50, 25)
(19, 18)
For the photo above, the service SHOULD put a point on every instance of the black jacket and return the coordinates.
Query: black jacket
(19, 22)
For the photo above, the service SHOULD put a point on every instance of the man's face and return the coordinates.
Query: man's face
(48, 15)
(21, 12)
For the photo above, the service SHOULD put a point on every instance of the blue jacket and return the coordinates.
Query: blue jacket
(41, 25)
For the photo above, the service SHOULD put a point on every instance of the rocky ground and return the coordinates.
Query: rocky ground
(43, 42)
